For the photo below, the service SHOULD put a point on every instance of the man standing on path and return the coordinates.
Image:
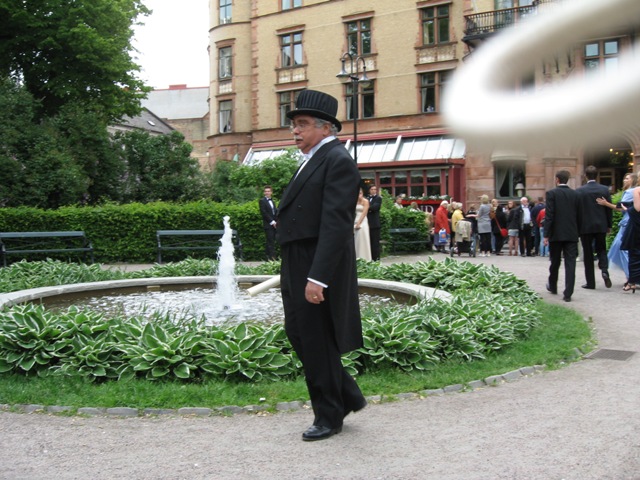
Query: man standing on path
(535, 211)
(269, 213)
(561, 233)
(373, 215)
(319, 281)
(596, 223)
(526, 228)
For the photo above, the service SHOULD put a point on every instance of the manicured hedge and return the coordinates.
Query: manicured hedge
(127, 233)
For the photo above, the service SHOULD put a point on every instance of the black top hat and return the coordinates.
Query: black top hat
(316, 104)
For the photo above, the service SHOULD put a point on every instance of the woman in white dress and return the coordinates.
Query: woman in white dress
(361, 228)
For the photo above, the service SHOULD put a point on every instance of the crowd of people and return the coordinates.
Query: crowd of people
(553, 228)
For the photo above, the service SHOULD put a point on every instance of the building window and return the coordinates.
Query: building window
(502, 4)
(510, 180)
(289, 4)
(291, 48)
(432, 85)
(225, 11)
(366, 103)
(286, 103)
(359, 37)
(226, 116)
(602, 56)
(224, 63)
(435, 25)
(414, 183)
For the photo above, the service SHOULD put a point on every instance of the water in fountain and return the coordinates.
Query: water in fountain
(226, 285)
(227, 304)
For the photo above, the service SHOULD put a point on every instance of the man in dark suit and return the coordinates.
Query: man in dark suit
(536, 229)
(561, 233)
(318, 275)
(269, 212)
(596, 223)
(373, 216)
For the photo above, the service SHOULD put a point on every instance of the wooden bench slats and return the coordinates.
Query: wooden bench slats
(398, 237)
(42, 242)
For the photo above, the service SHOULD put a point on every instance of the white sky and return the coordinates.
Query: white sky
(173, 43)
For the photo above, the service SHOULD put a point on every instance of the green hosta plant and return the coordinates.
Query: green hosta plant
(28, 337)
(162, 350)
(251, 352)
(488, 311)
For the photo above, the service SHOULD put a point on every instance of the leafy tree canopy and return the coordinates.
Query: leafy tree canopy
(66, 51)
(232, 182)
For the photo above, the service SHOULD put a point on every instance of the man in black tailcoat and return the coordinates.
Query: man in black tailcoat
(373, 217)
(561, 232)
(318, 275)
(269, 212)
(596, 223)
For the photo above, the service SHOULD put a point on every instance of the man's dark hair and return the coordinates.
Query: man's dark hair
(267, 186)
(563, 176)
(591, 172)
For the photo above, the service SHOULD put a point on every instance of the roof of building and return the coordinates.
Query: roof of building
(147, 121)
(179, 102)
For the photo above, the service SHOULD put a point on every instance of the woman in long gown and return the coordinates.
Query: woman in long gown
(616, 255)
(361, 228)
(631, 242)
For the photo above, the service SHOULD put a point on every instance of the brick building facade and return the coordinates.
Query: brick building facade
(264, 52)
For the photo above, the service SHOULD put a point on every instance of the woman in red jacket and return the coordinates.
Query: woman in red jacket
(441, 222)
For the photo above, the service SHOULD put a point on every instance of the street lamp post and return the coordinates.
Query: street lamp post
(356, 62)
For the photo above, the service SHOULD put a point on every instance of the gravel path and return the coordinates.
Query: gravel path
(580, 422)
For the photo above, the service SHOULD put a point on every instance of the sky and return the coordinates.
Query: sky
(172, 44)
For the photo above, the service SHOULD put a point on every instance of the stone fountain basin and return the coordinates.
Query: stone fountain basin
(402, 292)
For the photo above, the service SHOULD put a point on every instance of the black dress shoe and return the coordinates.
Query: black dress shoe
(550, 290)
(566, 299)
(588, 287)
(356, 409)
(607, 280)
(318, 432)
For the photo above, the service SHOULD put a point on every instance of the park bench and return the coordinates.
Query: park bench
(189, 240)
(407, 236)
(26, 244)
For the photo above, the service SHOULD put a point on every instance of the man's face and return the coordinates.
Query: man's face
(524, 202)
(373, 191)
(267, 192)
(305, 132)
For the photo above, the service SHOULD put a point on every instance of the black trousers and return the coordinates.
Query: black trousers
(594, 243)
(558, 251)
(332, 391)
(270, 246)
(374, 240)
(499, 240)
(526, 240)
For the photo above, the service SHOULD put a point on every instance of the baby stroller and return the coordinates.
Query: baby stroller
(465, 239)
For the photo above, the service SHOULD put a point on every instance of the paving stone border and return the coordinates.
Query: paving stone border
(229, 410)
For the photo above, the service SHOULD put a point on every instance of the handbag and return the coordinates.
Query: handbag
(503, 231)
(442, 235)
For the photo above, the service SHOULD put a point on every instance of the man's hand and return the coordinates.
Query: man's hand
(313, 293)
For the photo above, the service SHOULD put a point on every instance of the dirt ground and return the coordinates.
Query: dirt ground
(579, 422)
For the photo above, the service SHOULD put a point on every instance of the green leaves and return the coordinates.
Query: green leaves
(489, 311)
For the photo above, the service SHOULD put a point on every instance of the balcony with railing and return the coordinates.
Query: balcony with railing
(480, 26)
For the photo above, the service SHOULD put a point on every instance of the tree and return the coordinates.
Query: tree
(275, 172)
(233, 182)
(73, 51)
(158, 168)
